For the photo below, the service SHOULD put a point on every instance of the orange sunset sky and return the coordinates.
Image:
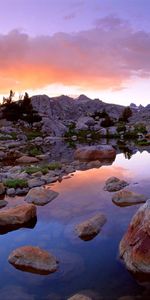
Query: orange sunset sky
(99, 48)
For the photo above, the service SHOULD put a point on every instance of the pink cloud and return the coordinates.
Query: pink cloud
(105, 56)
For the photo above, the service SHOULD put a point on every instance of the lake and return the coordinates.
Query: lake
(92, 265)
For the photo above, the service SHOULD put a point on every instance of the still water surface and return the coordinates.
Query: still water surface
(92, 265)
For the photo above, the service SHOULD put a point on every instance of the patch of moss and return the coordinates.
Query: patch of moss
(54, 165)
(33, 170)
(16, 183)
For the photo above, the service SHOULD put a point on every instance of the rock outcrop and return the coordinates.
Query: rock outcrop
(99, 152)
(16, 217)
(126, 197)
(88, 229)
(135, 246)
(40, 196)
(33, 259)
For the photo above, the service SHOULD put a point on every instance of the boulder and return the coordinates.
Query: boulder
(34, 182)
(114, 184)
(135, 246)
(99, 152)
(27, 160)
(17, 216)
(33, 259)
(126, 197)
(2, 188)
(88, 229)
(40, 196)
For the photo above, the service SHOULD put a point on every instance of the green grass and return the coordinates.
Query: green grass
(33, 170)
(54, 166)
(33, 134)
(143, 143)
(34, 151)
(16, 183)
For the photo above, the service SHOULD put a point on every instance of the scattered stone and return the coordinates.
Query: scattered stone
(21, 192)
(100, 152)
(2, 188)
(40, 196)
(88, 229)
(19, 215)
(135, 246)
(126, 197)
(33, 259)
(27, 160)
(3, 203)
(11, 192)
(35, 182)
(114, 184)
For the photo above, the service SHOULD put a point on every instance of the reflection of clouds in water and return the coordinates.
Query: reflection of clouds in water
(13, 292)
(138, 165)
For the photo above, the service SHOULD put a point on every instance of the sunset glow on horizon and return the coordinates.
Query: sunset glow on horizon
(76, 47)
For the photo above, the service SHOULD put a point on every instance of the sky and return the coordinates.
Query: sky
(100, 48)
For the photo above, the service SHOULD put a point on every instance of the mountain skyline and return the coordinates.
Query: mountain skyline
(75, 47)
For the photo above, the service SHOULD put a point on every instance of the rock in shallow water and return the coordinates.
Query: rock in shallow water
(19, 215)
(135, 246)
(114, 184)
(95, 153)
(88, 229)
(80, 297)
(3, 203)
(40, 196)
(33, 259)
(126, 197)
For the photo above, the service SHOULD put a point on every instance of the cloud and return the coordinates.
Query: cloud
(103, 57)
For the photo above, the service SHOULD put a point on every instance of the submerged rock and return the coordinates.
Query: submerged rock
(27, 160)
(33, 259)
(40, 196)
(126, 197)
(17, 216)
(114, 184)
(99, 152)
(88, 229)
(135, 246)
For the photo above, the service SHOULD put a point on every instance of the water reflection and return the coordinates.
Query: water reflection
(91, 266)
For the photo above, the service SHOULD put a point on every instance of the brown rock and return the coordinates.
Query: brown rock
(17, 215)
(114, 184)
(126, 197)
(33, 259)
(91, 227)
(100, 152)
(27, 160)
(40, 196)
(135, 245)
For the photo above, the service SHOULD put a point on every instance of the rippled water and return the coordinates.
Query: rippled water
(92, 265)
